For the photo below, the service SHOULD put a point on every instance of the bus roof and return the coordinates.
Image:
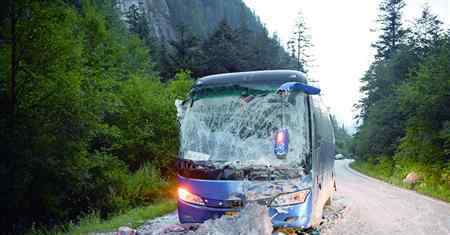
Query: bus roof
(275, 77)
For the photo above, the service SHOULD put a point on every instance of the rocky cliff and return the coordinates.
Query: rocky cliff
(201, 16)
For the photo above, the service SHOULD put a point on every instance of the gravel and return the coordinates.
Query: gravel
(375, 207)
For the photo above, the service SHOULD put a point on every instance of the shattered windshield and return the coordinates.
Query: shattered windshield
(239, 129)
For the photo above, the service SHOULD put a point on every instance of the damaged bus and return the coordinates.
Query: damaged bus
(255, 137)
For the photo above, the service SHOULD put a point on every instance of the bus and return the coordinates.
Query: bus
(255, 137)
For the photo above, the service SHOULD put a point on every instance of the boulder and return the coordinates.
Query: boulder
(126, 231)
(412, 178)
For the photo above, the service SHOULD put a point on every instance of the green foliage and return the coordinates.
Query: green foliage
(342, 138)
(392, 31)
(203, 17)
(227, 49)
(87, 125)
(145, 185)
(426, 32)
(94, 223)
(221, 51)
(300, 43)
(137, 22)
(425, 143)
(427, 185)
(201, 25)
(186, 54)
(92, 126)
(181, 85)
(406, 110)
(147, 120)
(140, 187)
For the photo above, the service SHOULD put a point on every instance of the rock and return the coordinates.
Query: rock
(158, 15)
(412, 178)
(253, 219)
(126, 231)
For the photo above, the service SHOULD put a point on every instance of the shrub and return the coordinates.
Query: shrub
(144, 186)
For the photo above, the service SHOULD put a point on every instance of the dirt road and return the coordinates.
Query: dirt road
(375, 207)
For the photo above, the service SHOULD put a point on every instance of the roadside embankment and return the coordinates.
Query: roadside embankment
(435, 190)
(93, 224)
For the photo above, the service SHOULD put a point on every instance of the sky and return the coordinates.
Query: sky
(341, 34)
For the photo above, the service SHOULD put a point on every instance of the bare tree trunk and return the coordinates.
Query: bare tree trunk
(13, 82)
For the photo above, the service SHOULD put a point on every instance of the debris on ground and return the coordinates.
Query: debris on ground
(333, 214)
(253, 219)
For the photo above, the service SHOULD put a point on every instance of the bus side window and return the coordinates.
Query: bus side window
(301, 116)
(322, 124)
(317, 121)
(327, 132)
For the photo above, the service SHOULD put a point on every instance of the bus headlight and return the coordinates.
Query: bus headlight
(287, 199)
(185, 195)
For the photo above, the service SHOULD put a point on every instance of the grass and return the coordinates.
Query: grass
(93, 224)
(438, 191)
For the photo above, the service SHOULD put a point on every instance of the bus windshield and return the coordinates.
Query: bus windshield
(238, 128)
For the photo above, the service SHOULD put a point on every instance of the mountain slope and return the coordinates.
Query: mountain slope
(202, 16)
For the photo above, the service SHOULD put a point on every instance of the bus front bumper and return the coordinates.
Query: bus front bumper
(295, 216)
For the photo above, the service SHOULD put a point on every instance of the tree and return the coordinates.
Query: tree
(12, 13)
(92, 123)
(187, 54)
(184, 53)
(394, 59)
(246, 39)
(405, 112)
(61, 157)
(266, 52)
(343, 139)
(392, 31)
(300, 44)
(137, 23)
(426, 143)
(383, 122)
(426, 32)
(221, 51)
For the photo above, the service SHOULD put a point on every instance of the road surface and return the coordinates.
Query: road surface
(375, 207)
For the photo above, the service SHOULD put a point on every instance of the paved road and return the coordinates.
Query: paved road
(375, 207)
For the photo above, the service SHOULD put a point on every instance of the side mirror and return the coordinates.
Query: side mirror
(297, 86)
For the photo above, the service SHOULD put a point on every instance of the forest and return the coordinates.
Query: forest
(405, 112)
(88, 122)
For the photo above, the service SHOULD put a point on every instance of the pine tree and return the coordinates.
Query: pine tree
(392, 32)
(300, 44)
(426, 32)
(221, 51)
(137, 23)
(185, 53)
(245, 42)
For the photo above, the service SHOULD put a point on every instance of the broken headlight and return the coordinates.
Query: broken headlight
(287, 199)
